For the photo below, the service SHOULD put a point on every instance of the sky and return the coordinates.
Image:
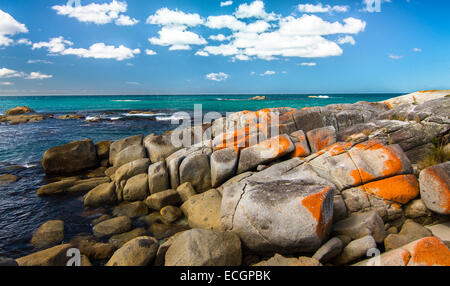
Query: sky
(135, 47)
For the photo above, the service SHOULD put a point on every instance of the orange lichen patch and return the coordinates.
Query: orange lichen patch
(314, 204)
(369, 145)
(388, 104)
(406, 257)
(305, 108)
(287, 116)
(300, 151)
(424, 91)
(356, 177)
(441, 183)
(339, 148)
(430, 251)
(399, 189)
(278, 145)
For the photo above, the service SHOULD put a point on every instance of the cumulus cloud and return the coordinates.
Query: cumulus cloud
(226, 3)
(268, 73)
(177, 37)
(319, 8)
(225, 21)
(201, 53)
(9, 27)
(217, 76)
(8, 73)
(347, 40)
(99, 14)
(38, 75)
(255, 10)
(97, 51)
(54, 46)
(149, 52)
(24, 41)
(167, 17)
(219, 37)
(102, 51)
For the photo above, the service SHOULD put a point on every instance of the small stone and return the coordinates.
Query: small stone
(329, 250)
(356, 249)
(416, 209)
(101, 219)
(159, 200)
(394, 241)
(151, 218)
(186, 191)
(171, 214)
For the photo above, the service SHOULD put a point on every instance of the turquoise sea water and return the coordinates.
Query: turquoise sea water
(22, 147)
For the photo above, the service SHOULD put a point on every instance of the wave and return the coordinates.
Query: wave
(126, 100)
(144, 114)
(172, 117)
(231, 99)
(319, 96)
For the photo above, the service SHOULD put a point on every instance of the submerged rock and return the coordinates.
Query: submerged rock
(19, 110)
(7, 179)
(48, 234)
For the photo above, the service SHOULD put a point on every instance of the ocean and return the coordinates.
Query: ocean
(22, 147)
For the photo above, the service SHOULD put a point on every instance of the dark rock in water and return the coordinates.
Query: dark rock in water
(7, 179)
(7, 262)
(70, 158)
(70, 117)
(19, 110)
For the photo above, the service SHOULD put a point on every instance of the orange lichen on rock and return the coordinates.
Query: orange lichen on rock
(314, 204)
(300, 151)
(339, 148)
(399, 189)
(433, 90)
(406, 257)
(430, 251)
(388, 104)
(278, 145)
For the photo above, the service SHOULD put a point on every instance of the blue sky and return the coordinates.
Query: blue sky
(198, 46)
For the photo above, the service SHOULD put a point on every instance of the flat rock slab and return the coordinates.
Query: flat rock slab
(441, 230)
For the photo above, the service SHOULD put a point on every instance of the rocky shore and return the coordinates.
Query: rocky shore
(345, 184)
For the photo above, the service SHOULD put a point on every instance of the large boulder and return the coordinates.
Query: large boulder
(203, 210)
(264, 152)
(19, 110)
(129, 154)
(198, 247)
(120, 145)
(112, 226)
(55, 256)
(158, 177)
(48, 234)
(126, 172)
(102, 195)
(435, 188)
(136, 188)
(196, 169)
(159, 147)
(223, 165)
(138, 252)
(70, 158)
(286, 208)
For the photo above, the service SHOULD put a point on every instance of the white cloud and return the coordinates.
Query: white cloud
(167, 17)
(395, 57)
(38, 75)
(307, 64)
(224, 21)
(347, 40)
(7, 73)
(99, 14)
(226, 3)
(102, 51)
(219, 37)
(217, 76)
(201, 53)
(177, 37)
(9, 27)
(417, 50)
(96, 51)
(255, 10)
(311, 25)
(24, 41)
(150, 52)
(54, 46)
(268, 73)
(319, 8)
(180, 48)
(6, 83)
(126, 21)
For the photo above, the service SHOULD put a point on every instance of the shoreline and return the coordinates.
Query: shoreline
(169, 190)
